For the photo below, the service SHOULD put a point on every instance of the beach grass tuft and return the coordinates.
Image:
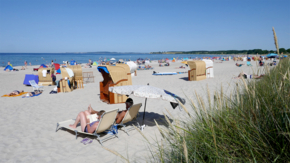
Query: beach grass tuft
(250, 125)
(275, 40)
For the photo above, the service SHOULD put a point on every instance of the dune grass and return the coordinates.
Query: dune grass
(250, 125)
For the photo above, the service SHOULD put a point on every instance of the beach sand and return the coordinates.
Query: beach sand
(28, 124)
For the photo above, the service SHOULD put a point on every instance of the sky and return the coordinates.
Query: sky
(53, 26)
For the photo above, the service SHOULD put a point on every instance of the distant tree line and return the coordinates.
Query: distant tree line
(253, 51)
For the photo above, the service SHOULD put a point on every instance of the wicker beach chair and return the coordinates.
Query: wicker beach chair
(65, 75)
(113, 76)
(44, 75)
(197, 70)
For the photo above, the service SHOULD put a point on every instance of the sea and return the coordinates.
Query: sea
(17, 59)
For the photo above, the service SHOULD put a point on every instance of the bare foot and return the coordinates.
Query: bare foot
(72, 126)
(90, 109)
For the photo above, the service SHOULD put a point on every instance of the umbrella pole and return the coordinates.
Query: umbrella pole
(144, 112)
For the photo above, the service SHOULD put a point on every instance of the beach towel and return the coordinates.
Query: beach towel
(70, 72)
(44, 72)
(31, 96)
(20, 94)
(164, 73)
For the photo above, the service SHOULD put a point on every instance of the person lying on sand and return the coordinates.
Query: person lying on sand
(86, 126)
(22, 68)
(246, 76)
(239, 64)
(15, 92)
(180, 67)
(148, 66)
(129, 102)
(31, 94)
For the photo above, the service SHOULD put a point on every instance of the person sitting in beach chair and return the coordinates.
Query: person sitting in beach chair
(31, 94)
(129, 102)
(239, 65)
(86, 126)
(15, 92)
(246, 76)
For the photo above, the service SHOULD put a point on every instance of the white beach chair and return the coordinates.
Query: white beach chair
(106, 123)
(130, 115)
(34, 85)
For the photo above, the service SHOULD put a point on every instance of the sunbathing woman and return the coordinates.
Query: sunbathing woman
(86, 126)
(15, 92)
(246, 76)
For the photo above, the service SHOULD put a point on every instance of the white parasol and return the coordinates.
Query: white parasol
(147, 91)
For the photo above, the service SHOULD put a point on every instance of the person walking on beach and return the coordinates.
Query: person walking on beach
(52, 64)
(25, 64)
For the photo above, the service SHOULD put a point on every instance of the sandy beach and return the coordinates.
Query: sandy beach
(28, 124)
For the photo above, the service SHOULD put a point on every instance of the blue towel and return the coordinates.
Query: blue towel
(31, 96)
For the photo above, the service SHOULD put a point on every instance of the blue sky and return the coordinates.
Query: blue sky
(142, 25)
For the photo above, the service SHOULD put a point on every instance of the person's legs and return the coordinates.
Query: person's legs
(78, 119)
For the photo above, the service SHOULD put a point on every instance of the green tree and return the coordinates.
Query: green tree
(282, 50)
(288, 50)
(265, 51)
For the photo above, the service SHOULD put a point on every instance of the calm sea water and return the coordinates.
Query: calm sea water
(17, 59)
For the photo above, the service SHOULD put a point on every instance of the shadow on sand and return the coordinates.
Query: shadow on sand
(184, 78)
(150, 117)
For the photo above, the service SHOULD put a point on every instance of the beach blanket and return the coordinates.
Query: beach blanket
(165, 73)
(31, 96)
(20, 94)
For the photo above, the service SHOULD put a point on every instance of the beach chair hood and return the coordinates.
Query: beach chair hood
(197, 70)
(117, 73)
